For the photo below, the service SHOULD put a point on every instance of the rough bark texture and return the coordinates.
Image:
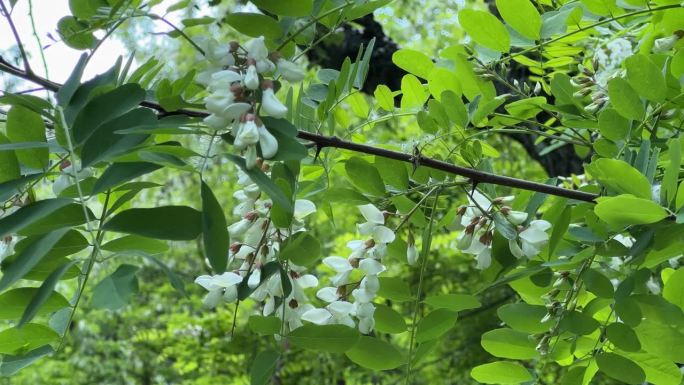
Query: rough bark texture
(332, 52)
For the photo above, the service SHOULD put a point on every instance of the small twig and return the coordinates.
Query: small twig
(27, 66)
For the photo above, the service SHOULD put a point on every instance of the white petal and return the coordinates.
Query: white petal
(231, 294)
(540, 224)
(366, 228)
(271, 105)
(340, 279)
(372, 214)
(226, 76)
(534, 235)
(371, 266)
(236, 110)
(517, 217)
(530, 250)
(317, 316)
(484, 259)
(303, 208)
(515, 248)
(328, 294)
(364, 310)
(212, 299)
(366, 325)
(306, 281)
(267, 142)
(370, 283)
(206, 281)
(227, 279)
(252, 78)
(338, 264)
(383, 234)
(254, 279)
(340, 308)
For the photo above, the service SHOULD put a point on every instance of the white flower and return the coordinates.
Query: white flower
(248, 134)
(252, 78)
(257, 50)
(534, 238)
(215, 52)
(371, 266)
(222, 80)
(412, 254)
(219, 101)
(515, 217)
(327, 294)
(223, 285)
(7, 246)
(216, 122)
(341, 266)
(484, 258)
(336, 313)
(290, 71)
(267, 142)
(303, 208)
(271, 105)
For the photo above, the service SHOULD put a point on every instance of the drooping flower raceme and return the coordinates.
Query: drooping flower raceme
(240, 90)
(478, 224)
(366, 258)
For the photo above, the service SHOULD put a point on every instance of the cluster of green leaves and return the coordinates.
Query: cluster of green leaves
(585, 307)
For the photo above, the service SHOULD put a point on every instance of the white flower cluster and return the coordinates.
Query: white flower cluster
(257, 244)
(366, 258)
(610, 58)
(239, 93)
(478, 229)
(8, 241)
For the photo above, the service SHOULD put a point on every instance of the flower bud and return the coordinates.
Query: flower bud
(411, 250)
(252, 78)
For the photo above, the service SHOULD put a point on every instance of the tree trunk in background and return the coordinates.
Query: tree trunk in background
(332, 52)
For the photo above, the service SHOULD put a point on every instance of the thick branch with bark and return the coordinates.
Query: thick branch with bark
(322, 141)
(331, 53)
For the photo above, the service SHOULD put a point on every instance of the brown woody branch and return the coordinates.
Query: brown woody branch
(322, 141)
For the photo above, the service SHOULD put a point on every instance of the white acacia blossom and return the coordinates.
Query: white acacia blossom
(478, 226)
(239, 90)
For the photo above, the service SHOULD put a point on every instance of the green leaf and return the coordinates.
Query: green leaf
(509, 343)
(302, 249)
(325, 338)
(455, 109)
(601, 7)
(628, 310)
(617, 175)
(659, 371)
(578, 323)
(24, 125)
(453, 302)
(265, 326)
(29, 258)
(286, 7)
(598, 283)
(612, 125)
(441, 80)
(620, 368)
(485, 29)
(106, 143)
(45, 293)
(388, 320)
(13, 186)
(668, 191)
(9, 164)
(435, 324)
(673, 291)
(214, 231)
(85, 9)
(254, 25)
(263, 367)
(27, 338)
(384, 97)
(67, 90)
(625, 100)
(76, 34)
(522, 16)
(414, 62)
(364, 176)
(135, 243)
(414, 95)
(501, 372)
(623, 337)
(68, 216)
(115, 290)
(12, 364)
(629, 210)
(394, 288)
(375, 354)
(13, 302)
(524, 317)
(265, 183)
(119, 173)
(178, 223)
(394, 172)
(104, 108)
(646, 78)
